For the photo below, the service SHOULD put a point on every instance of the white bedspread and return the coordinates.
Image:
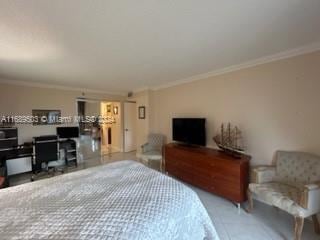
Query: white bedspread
(120, 200)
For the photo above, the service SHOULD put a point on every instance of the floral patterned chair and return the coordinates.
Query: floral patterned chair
(291, 184)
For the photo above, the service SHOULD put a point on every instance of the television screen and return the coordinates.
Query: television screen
(189, 130)
(68, 132)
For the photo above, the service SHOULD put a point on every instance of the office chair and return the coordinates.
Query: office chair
(46, 155)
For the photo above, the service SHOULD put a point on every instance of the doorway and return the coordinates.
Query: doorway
(89, 139)
(111, 127)
(101, 131)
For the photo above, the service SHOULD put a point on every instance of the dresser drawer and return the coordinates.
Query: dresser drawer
(230, 170)
(177, 162)
(228, 173)
(227, 190)
(181, 174)
(178, 156)
(205, 183)
(200, 170)
(226, 177)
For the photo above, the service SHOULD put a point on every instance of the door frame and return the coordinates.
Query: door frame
(100, 100)
(121, 147)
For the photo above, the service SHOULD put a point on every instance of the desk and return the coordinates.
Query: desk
(14, 160)
(9, 147)
(18, 159)
(19, 151)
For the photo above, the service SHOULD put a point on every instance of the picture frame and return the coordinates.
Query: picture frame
(142, 112)
(109, 108)
(115, 110)
(46, 117)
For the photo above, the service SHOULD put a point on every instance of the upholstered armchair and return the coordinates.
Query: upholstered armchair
(291, 184)
(152, 150)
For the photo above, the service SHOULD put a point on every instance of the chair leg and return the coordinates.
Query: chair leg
(316, 223)
(250, 201)
(298, 226)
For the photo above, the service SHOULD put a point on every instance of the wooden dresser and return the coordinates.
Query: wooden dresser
(209, 169)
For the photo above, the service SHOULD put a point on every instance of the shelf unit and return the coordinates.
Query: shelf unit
(70, 151)
(9, 139)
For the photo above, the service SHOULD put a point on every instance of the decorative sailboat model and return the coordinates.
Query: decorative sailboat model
(230, 140)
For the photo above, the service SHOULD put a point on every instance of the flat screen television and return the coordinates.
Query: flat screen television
(189, 131)
(68, 132)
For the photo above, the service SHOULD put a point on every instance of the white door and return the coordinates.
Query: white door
(130, 118)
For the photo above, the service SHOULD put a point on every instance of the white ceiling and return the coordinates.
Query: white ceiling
(122, 45)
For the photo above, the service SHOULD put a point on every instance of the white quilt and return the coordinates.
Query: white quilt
(120, 200)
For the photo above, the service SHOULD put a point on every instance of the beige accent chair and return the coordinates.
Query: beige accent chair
(291, 184)
(151, 152)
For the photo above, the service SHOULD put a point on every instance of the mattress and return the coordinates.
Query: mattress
(119, 200)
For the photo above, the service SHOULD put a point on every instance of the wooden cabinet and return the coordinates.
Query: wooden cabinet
(209, 169)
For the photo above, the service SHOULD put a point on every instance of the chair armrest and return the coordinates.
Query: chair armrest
(263, 174)
(310, 197)
(145, 147)
(312, 186)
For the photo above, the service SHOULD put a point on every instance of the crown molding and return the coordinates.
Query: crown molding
(58, 87)
(267, 59)
(142, 89)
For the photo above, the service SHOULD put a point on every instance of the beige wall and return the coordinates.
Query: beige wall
(276, 105)
(20, 100)
(142, 125)
(92, 108)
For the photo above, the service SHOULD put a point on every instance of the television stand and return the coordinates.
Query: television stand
(209, 169)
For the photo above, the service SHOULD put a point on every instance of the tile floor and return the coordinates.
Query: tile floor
(265, 223)
(89, 148)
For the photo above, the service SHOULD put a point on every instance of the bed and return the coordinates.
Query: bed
(119, 200)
